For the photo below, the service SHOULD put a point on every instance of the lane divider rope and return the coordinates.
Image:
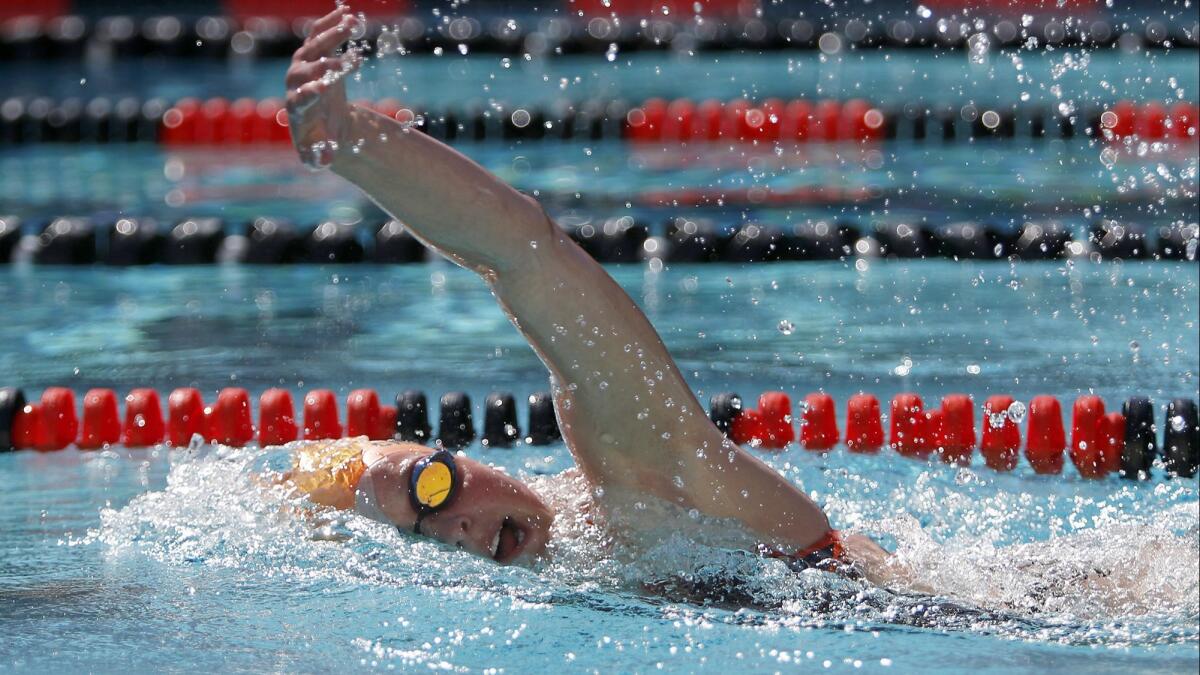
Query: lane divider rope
(1101, 442)
(217, 37)
(192, 122)
(126, 241)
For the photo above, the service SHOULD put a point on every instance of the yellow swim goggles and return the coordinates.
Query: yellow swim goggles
(432, 485)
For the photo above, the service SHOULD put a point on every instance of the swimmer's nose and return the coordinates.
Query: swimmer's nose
(456, 530)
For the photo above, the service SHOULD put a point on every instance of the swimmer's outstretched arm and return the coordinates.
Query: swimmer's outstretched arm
(627, 415)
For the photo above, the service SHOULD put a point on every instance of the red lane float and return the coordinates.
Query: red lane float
(1001, 442)
(956, 440)
(321, 415)
(45, 9)
(101, 420)
(28, 430)
(1045, 439)
(143, 419)
(186, 416)
(1183, 120)
(776, 408)
(708, 121)
(769, 427)
(935, 430)
(1151, 122)
(819, 431)
(276, 418)
(387, 423)
(680, 120)
(246, 10)
(1086, 453)
(908, 426)
(772, 120)
(864, 425)
(216, 121)
(1120, 121)
(748, 428)
(178, 125)
(58, 417)
(629, 9)
(1111, 435)
(861, 122)
(644, 124)
(797, 119)
(826, 121)
(362, 414)
(231, 422)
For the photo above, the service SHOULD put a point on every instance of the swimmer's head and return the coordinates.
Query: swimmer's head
(490, 513)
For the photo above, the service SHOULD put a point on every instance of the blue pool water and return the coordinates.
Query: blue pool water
(155, 558)
(182, 559)
(1003, 183)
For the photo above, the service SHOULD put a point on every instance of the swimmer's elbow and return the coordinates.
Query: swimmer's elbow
(531, 240)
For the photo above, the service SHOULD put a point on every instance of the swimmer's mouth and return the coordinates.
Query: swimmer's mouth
(508, 542)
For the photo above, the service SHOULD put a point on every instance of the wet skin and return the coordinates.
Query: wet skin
(492, 514)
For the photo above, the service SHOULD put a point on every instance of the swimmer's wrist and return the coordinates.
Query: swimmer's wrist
(356, 127)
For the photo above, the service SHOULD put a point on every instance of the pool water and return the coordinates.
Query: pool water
(188, 559)
(147, 559)
(1002, 182)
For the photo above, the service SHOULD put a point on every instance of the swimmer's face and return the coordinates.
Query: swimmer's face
(492, 514)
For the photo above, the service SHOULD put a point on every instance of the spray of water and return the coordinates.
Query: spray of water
(1130, 578)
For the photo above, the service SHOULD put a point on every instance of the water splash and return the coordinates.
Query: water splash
(1131, 577)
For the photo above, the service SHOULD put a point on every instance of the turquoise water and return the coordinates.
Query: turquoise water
(1080, 77)
(168, 559)
(181, 559)
(1004, 183)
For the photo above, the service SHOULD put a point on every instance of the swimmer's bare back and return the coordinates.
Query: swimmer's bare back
(628, 417)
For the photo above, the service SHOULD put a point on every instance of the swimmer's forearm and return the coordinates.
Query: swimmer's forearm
(447, 200)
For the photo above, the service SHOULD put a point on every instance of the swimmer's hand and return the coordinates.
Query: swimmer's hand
(318, 113)
(882, 568)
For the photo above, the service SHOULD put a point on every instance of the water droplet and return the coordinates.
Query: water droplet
(319, 155)
(786, 327)
(358, 26)
(388, 43)
(1016, 412)
(978, 46)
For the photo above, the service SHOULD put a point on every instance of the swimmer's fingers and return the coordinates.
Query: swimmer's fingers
(325, 42)
(328, 21)
(302, 73)
(317, 107)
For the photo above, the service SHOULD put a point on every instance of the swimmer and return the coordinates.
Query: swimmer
(632, 424)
